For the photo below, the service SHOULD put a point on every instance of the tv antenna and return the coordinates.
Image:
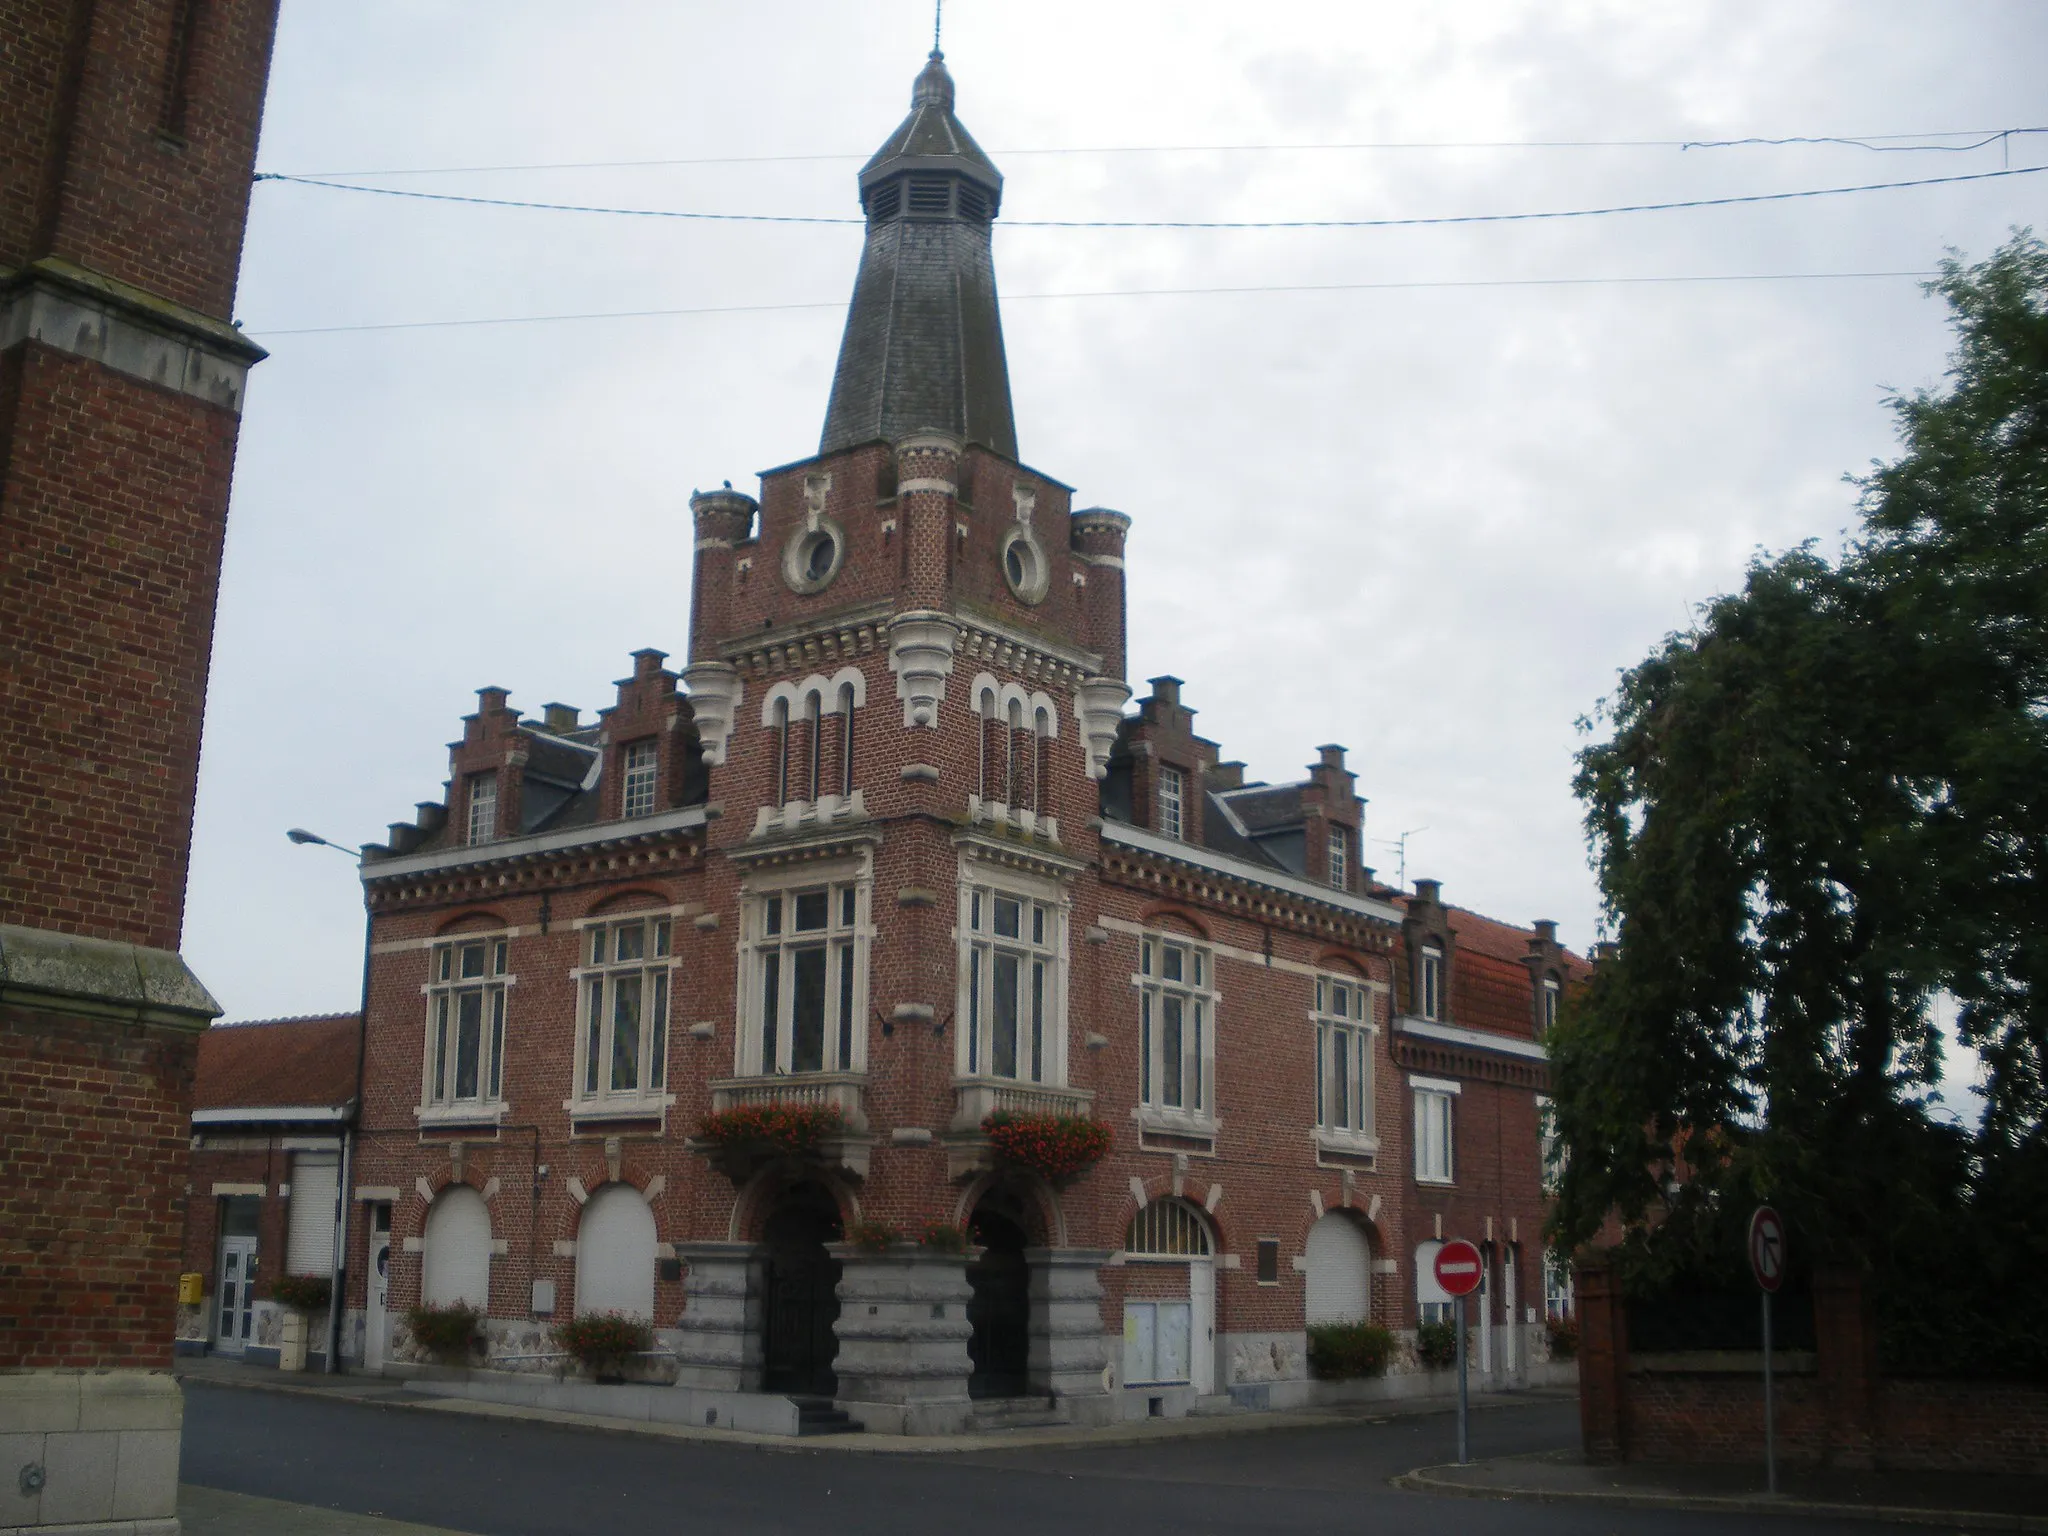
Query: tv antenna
(1400, 847)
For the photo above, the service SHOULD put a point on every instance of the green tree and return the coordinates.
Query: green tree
(1811, 816)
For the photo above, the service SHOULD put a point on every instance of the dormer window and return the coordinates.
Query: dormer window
(1430, 983)
(483, 808)
(1546, 1004)
(1172, 791)
(1340, 858)
(640, 769)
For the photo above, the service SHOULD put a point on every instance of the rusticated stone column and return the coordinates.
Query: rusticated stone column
(1066, 1330)
(723, 1315)
(903, 1333)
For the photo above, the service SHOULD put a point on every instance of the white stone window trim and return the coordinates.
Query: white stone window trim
(1435, 1091)
(1027, 716)
(1170, 797)
(787, 881)
(805, 705)
(646, 1099)
(1361, 1029)
(972, 1037)
(438, 1104)
(480, 808)
(1152, 987)
(639, 772)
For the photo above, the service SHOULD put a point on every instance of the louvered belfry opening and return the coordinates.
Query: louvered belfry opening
(923, 347)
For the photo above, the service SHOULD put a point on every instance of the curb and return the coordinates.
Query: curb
(1136, 1432)
(1420, 1481)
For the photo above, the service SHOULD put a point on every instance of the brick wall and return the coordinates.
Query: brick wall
(91, 1212)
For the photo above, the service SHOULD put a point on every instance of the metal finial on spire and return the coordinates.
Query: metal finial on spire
(938, 21)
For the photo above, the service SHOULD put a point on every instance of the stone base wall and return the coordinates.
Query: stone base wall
(903, 1332)
(88, 1448)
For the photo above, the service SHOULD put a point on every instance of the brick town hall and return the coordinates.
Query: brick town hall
(890, 844)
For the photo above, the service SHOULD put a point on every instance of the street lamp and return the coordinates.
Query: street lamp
(337, 1279)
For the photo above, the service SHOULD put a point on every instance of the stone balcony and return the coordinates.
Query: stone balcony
(846, 1152)
(976, 1098)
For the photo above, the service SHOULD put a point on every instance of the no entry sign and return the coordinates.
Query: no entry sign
(1767, 1248)
(1459, 1268)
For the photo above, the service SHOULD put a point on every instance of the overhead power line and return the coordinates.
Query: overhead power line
(1883, 143)
(1393, 223)
(1102, 293)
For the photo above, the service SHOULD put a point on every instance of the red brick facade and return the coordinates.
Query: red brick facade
(127, 142)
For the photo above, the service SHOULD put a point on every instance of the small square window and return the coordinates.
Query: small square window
(1269, 1261)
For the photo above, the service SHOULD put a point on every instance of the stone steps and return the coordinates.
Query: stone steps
(817, 1416)
(993, 1413)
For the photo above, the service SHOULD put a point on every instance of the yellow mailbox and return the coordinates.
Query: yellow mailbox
(191, 1289)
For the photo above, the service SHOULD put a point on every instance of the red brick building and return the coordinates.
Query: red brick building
(127, 140)
(888, 843)
(271, 1107)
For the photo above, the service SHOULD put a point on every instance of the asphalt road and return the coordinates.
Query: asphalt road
(509, 1478)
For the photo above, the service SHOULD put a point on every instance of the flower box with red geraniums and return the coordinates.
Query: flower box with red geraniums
(1055, 1147)
(793, 1128)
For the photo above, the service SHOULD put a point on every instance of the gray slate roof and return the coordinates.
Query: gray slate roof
(923, 347)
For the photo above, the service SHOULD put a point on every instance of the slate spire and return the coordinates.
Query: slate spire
(923, 348)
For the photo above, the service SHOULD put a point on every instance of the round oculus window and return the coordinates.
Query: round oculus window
(813, 557)
(1024, 566)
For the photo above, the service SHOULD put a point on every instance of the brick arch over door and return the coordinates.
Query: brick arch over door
(1339, 1263)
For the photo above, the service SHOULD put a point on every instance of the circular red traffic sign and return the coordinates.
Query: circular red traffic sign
(1459, 1268)
(1767, 1247)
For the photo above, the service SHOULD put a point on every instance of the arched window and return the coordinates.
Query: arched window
(615, 1254)
(457, 1265)
(846, 739)
(782, 751)
(814, 732)
(1339, 1271)
(1168, 1229)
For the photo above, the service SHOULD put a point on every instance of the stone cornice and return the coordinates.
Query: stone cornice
(990, 641)
(100, 980)
(126, 329)
(1019, 853)
(1419, 1053)
(856, 631)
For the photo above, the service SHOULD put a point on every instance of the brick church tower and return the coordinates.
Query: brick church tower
(127, 142)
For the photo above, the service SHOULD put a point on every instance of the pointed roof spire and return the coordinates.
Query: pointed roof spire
(923, 348)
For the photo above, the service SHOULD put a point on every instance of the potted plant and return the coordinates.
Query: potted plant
(1058, 1148)
(871, 1236)
(448, 1333)
(1436, 1345)
(603, 1342)
(943, 1237)
(739, 1140)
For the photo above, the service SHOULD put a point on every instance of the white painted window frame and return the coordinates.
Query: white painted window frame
(596, 981)
(1201, 1003)
(976, 950)
(1435, 1159)
(640, 771)
(1173, 797)
(444, 990)
(854, 939)
(480, 809)
(1344, 1007)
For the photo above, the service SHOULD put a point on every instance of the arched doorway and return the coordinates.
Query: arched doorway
(802, 1284)
(999, 1300)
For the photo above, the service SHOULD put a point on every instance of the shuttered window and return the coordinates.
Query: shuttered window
(458, 1244)
(309, 1243)
(1339, 1271)
(615, 1254)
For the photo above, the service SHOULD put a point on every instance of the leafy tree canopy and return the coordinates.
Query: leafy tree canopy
(1811, 816)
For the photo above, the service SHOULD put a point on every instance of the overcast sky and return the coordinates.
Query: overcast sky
(1428, 522)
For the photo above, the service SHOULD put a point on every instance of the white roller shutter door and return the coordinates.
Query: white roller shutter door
(458, 1243)
(309, 1244)
(615, 1254)
(1339, 1271)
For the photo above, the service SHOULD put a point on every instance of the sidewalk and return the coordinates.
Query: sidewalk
(384, 1393)
(1957, 1500)
(210, 1512)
